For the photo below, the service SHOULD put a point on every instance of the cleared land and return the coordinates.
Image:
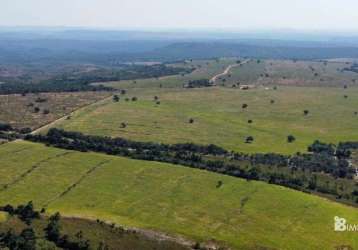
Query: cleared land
(31, 110)
(220, 119)
(204, 69)
(174, 199)
(306, 73)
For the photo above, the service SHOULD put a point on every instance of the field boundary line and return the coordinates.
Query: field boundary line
(50, 124)
(73, 185)
(17, 179)
(15, 151)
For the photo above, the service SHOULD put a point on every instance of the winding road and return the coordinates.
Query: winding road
(227, 70)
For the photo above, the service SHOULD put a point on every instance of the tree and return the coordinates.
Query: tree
(249, 121)
(29, 237)
(5, 127)
(123, 125)
(249, 139)
(191, 120)
(272, 101)
(53, 228)
(305, 112)
(134, 99)
(116, 98)
(290, 138)
(244, 106)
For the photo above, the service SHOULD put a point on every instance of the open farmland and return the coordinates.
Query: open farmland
(309, 73)
(219, 118)
(35, 110)
(332, 73)
(204, 69)
(174, 199)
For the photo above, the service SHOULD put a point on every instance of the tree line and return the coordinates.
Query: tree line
(306, 172)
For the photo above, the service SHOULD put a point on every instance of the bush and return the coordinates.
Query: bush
(290, 138)
(249, 139)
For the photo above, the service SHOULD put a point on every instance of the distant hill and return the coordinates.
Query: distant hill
(61, 46)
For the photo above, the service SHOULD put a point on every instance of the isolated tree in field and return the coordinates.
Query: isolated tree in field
(345, 96)
(272, 101)
(116, 98)
(191, 120)
(249, 121)
(123, 125)
(305, 112)
(134, 99)
(156, 98)
(249, 139)
(290, 138)
(36, 109)
(244, 106)
(127, 99)
(158, 103)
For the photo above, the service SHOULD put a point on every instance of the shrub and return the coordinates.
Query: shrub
(290, 138)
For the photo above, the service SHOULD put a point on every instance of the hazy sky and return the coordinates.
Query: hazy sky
(236, 14)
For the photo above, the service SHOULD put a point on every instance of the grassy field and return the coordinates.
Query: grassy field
(174, 199)
(247, 74)
(292, 73)
(3, 217)
(19, 110)
(305, 73)
(220, 119)
(205, 69)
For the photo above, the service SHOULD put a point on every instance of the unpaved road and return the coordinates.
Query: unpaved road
(227, 70)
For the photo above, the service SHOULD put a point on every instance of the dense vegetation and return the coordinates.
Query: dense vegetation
(200, 83)
(74, 80)
(55, 232)
(301, 171)
(352, 68)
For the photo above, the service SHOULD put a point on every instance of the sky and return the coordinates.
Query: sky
(337, 15)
